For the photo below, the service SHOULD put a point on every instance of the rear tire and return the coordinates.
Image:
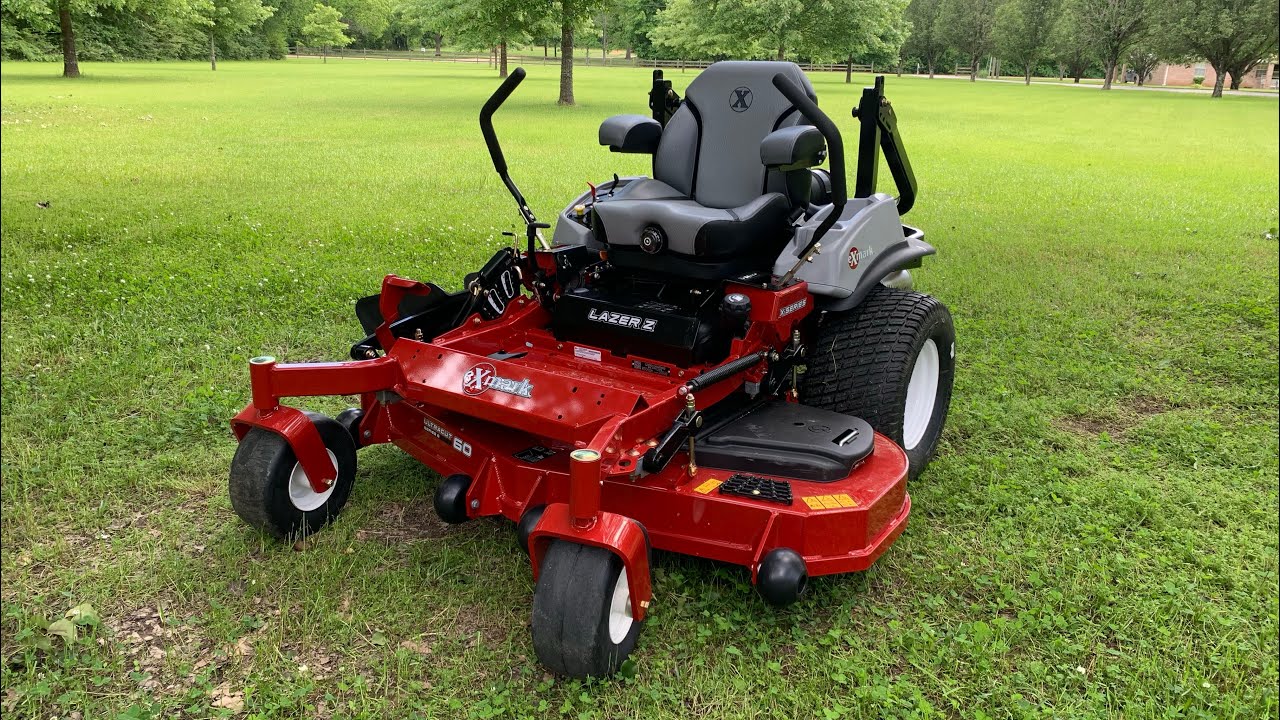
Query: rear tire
(582, 624)
(891, 362)
(270, 491)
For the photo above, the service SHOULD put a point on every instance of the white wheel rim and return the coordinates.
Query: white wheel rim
(620, 610)
(922, 392)
(301, 493)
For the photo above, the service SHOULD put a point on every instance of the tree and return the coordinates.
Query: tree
(324, 28)
(1142, 59)
(224, 19)
(969, 27)
(1233, 35)
(490, 24)
(630, 21)
(366, 19)
(926, 38)
(757, 29)
(1067, 45)
(1111, 27)
(1023, 29)
(40, 14)
(572, 14)
(856, 29)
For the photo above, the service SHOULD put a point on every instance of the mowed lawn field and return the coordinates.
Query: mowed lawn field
(1097, 537)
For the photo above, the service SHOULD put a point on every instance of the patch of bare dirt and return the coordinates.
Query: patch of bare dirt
(475, 626)
(1129, 413)
(397, 522)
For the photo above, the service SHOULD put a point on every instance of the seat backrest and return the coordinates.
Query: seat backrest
(710, 149)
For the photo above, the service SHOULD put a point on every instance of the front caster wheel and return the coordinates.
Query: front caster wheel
(270, 490)
(582, 623)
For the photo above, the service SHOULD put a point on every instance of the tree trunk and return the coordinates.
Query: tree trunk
(70, 61)
(545, 51)
(439, 42)
(782, 49)
(604, 39)
(1026, 76)
(324, 55)
(930, 69)
(213, 53)
(628, 53)
(1076, 77)
(566, 63)
(1109, 73)
(1142, 77)
(502, 67)
(973, 70)
(1217, 84)
(848, 70)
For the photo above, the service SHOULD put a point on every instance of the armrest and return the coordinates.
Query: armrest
(793, 148)
(631, 134)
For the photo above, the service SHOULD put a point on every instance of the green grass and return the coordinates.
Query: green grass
(1097, 537)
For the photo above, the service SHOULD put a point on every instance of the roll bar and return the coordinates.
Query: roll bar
(879, 131)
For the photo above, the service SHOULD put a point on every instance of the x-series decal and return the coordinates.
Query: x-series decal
(740, 99)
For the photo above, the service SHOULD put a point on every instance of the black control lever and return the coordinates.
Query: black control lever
(491, 106)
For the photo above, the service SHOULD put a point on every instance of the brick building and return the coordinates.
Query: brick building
(1262, 76)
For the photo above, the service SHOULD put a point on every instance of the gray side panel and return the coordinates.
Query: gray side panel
(739, 106)
(868, 230)
(673, 163)
(893, 258)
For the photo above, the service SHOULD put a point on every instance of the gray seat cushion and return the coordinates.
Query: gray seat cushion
(688, 227)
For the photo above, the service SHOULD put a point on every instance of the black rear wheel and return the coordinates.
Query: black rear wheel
(891, 362)
(582, 623)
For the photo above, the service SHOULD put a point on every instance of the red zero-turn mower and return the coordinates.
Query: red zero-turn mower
(724, 360)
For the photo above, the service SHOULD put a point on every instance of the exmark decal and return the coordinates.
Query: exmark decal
(856, 256)
(634, 322)
(485, 377)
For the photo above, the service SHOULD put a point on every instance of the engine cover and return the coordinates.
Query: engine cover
(641, 325)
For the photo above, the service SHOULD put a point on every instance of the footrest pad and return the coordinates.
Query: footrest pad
(788, 440)
(757, 488)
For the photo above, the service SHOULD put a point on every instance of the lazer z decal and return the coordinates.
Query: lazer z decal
(484, 376)
(438, 431)
(634, 322)
(793, 307)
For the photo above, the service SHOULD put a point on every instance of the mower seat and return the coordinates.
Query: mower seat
(727, 176)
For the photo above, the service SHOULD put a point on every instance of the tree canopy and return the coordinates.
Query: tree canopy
(1066, 37)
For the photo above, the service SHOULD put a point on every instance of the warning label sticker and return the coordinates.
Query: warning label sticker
(829, 502)
(706, 487)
